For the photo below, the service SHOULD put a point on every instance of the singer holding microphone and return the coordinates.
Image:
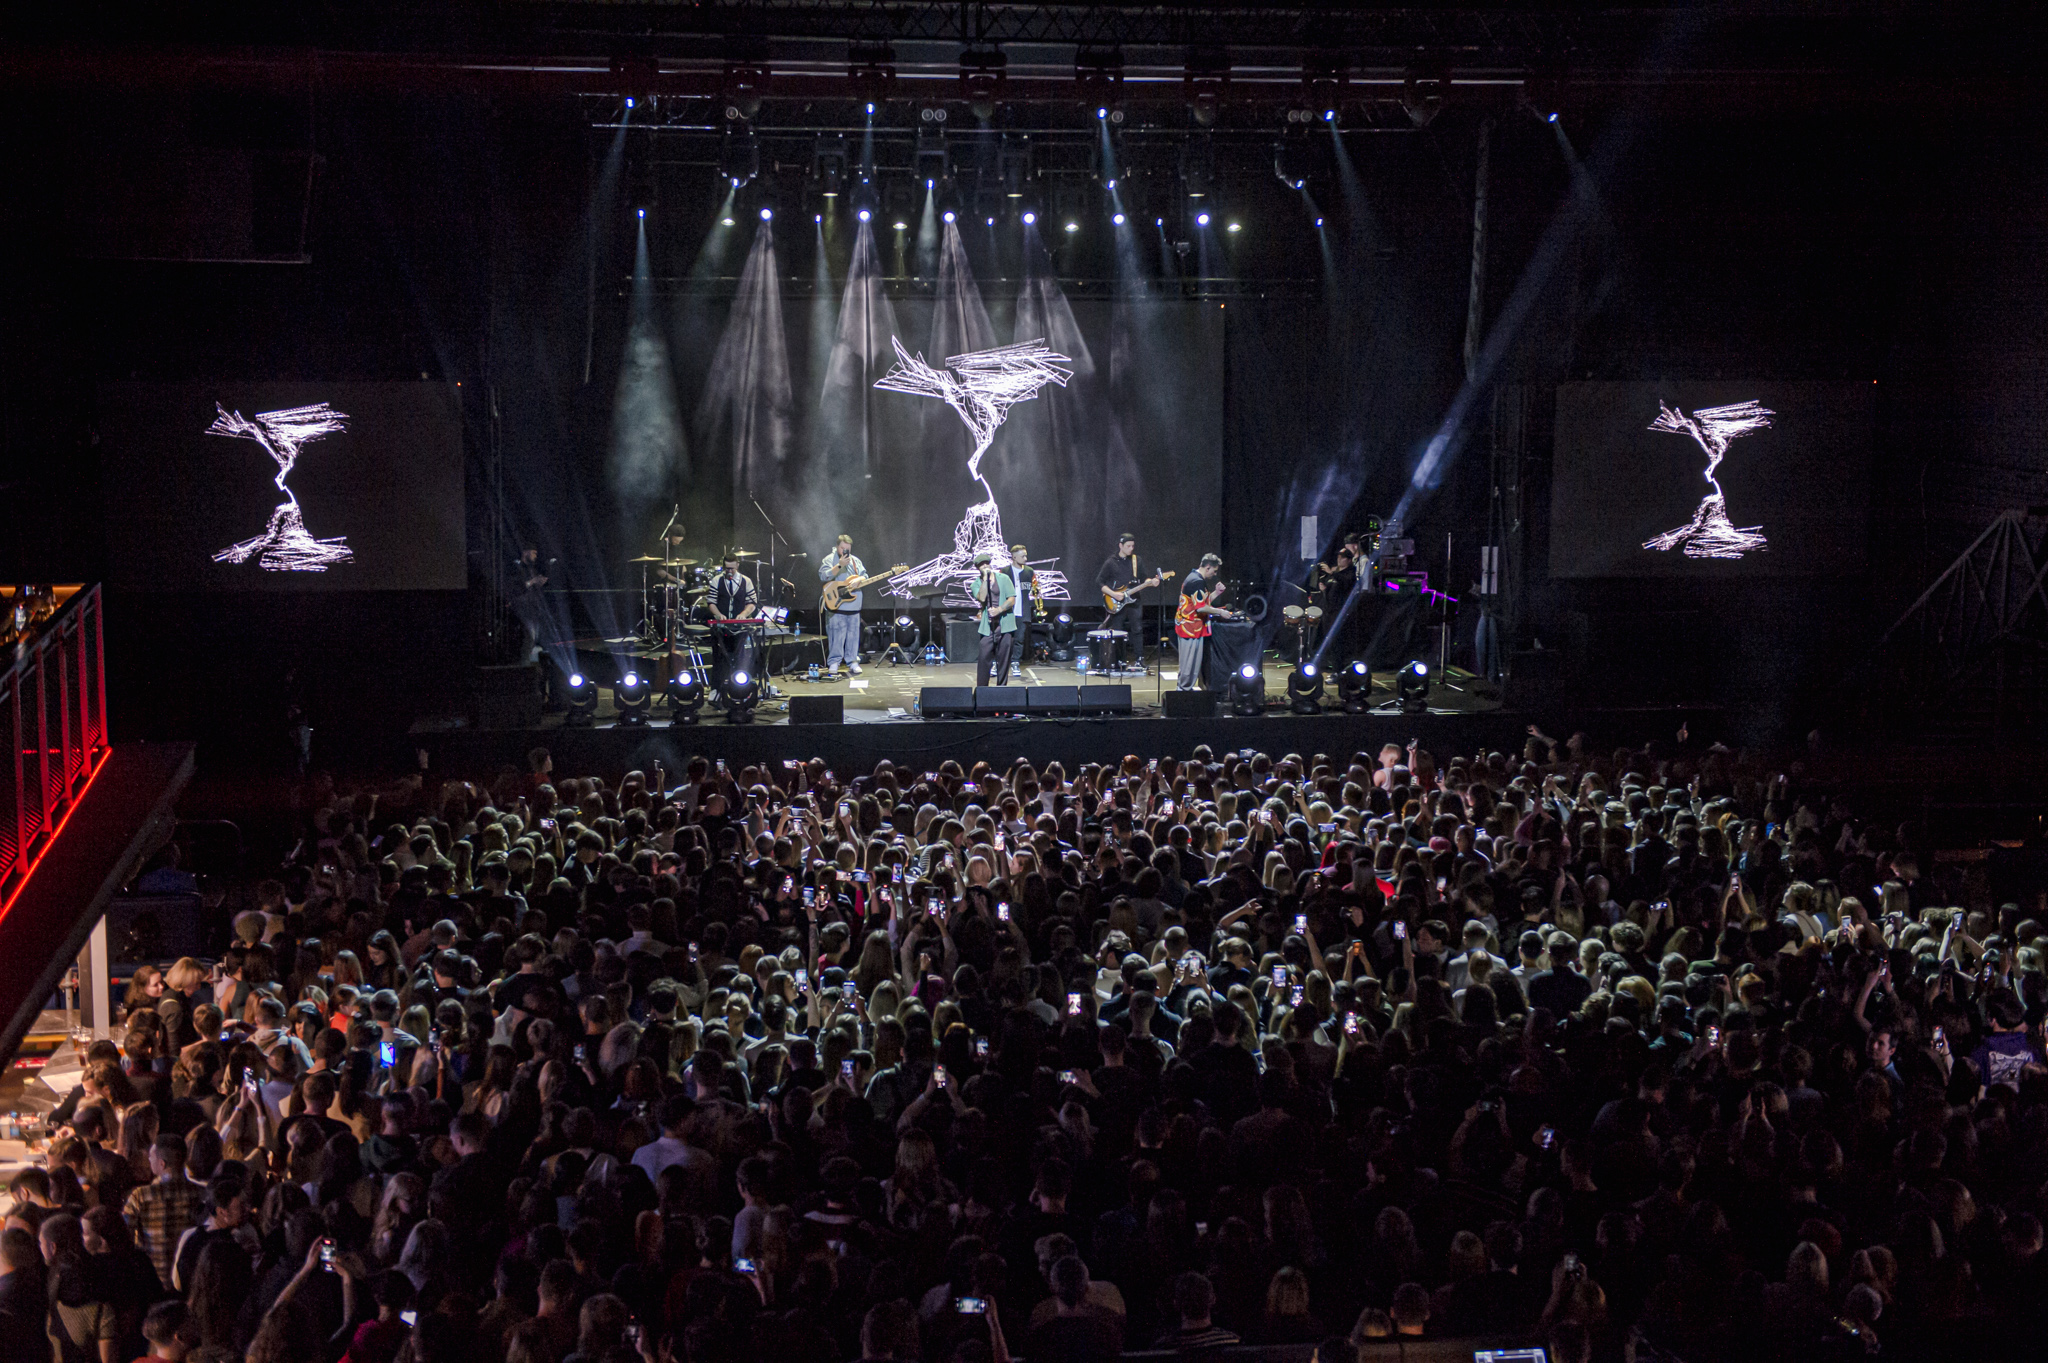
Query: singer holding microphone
(996, 594)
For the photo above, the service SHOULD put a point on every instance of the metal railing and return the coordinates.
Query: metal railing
(53, 704)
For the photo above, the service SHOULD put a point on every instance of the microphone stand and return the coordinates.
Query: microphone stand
(774, 572)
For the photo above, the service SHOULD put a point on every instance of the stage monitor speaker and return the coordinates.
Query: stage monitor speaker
(1190, 704)
(1106, 700)
(963, 639)
(1052, 700)
(817, 709)
(999, 700)
(507, 697)
(946, 702)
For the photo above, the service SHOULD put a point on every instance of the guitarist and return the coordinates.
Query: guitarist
(1126, 572)
(842, 625)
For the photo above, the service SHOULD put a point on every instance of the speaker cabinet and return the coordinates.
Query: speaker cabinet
(946, 702)
(817, 709)
(1190, 704)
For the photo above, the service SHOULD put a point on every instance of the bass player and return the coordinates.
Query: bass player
(842, 623)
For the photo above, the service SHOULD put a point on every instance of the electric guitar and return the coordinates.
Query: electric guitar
(1115, 597)
(838, 590)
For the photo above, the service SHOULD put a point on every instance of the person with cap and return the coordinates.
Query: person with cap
(996, 593)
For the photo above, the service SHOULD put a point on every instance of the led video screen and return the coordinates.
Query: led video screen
(283, 486)
(1710, 479)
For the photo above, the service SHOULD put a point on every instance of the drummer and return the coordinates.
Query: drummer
(733, 597)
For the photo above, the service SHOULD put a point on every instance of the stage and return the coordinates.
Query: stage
(882, 719)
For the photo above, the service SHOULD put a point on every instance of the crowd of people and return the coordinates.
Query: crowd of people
(1657, 1053)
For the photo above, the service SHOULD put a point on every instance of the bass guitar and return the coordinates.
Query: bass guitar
(1114, 598)
(838, 590)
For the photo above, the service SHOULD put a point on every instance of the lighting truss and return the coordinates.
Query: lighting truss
(1711, 534)
(981, 386)
(285, 546)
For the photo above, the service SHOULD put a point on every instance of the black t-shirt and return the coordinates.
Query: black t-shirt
(1121, 572)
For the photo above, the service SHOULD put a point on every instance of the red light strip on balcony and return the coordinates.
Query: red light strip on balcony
(98, 765)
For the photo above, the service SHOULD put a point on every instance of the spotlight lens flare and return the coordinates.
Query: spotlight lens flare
(739, 678)
(643, 215)
(1030, 218)
(767, 214)
(1308, 669)
(1102, 113)
(1329, 115)
(725, 222)
(1201, 220)
(1118, 219)
(632, 679)
(949, 215)
(903, 227)
(1232, 228)
(865, 215)
(1073, 227)
(575, 680)
(1248, 672)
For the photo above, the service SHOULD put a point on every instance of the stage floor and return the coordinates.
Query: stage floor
(881, 720)
(888, 693)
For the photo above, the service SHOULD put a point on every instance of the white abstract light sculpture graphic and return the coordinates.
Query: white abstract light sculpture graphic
(981, 386)
(1711, 534)
(285, 546)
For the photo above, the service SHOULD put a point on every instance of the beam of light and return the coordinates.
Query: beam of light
(285, 546)
(867, 319)
(981, 386)
(1711, 534)
(649, 458)
(928, 234)
(747, 386)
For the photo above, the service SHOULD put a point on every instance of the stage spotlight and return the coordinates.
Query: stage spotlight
(1305, 689)
(725, 222)
(1073, 227)
(767, 214)
(582, 699)
(1232, 228)
(865, 215)
(949, 215)
(1102, 113)
(871, 111)
(685, 697)
(903, 227)
(643, 215)
(1117, 218)
(1354, 687)
(991, 222)
(1411, 688)
(632, 695)
(1319, 222)
(629, 101)
(1030, 218)
(1063, 638)
(1329, 115)
(1247, 694)
(742, 692)
(1201, 219)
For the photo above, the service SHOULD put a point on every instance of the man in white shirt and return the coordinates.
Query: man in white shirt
(671, 1150)
(1459, 971)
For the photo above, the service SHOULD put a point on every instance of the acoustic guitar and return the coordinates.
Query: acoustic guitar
(838, 590)
(1114, 598)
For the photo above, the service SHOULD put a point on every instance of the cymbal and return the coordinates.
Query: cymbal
(648, 558)
(683, 562)
(743, 553)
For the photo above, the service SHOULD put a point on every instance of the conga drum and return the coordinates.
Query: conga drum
(1105, 649)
